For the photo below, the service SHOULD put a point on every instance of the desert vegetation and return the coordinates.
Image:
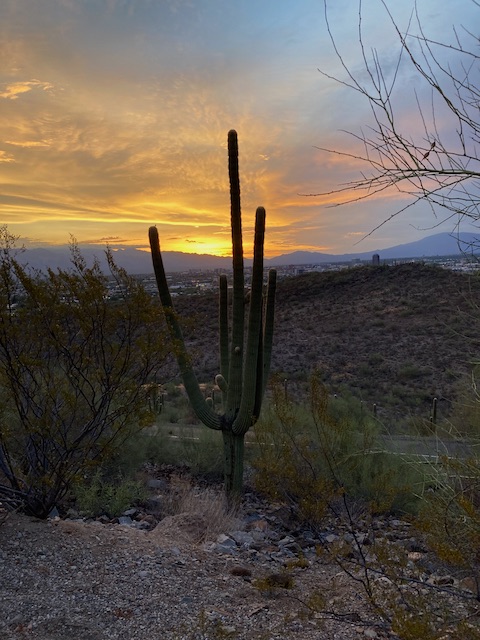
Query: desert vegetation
(319, 448)
(74, 359)
(245, 350)
(370, 414)
(397, 336)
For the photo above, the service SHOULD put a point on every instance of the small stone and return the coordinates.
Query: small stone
(226, 541)
(242, 538)
(370, 633)
(229, 630)
(156, 483)
(125, 520)
(257, 525)
(222, 548)
(469, 584)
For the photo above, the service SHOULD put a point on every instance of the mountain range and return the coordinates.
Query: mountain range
(136, 261)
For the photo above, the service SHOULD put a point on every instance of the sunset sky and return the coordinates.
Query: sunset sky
(114, 116)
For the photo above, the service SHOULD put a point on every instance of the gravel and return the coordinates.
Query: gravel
(76, 580)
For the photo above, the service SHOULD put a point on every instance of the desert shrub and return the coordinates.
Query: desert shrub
(310, 456)
(450, 514)
(98, 495)
(197, 448)
(208, 626)
(150, 445)
(465, 413)
(73, 363)
(215, 514)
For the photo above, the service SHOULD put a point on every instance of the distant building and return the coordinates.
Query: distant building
(375, 259)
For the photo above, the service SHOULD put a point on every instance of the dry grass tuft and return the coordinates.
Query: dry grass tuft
(206, 507)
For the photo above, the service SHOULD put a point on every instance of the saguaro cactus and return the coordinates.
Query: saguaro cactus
(243, 368)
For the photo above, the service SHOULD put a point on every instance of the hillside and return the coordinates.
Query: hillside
(397, 336)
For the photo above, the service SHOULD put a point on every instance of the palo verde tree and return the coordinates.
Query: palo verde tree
(244, 368)
(76, 347)
(433, 156)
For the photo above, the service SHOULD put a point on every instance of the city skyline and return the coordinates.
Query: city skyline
(115, 116)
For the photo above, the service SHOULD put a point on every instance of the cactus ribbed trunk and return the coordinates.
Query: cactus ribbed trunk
(233, 451)
(243, 371)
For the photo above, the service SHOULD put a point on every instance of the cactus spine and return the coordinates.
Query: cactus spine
(433, 416)
(244, 368)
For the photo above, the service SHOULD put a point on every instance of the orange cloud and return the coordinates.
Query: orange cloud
(15, 89)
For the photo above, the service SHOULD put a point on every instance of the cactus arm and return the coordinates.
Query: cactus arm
(201, 408)
(265, 345)
(257, 406)
(223, 336)
(223, 323)
(243, 421)
(235, 373)
(269, 324)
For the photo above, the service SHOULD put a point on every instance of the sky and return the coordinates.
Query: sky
(114, 116)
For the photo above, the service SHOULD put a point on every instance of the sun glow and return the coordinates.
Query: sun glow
(218, 247)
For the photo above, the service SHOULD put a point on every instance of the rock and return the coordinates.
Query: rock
(258, 524)
(158, 484)
(125, 520)
(469, 584)
(243, 538)
(221, 548)
(331, 537)
(414, 545)
(53, 514)
(154, 505)
(226, 541)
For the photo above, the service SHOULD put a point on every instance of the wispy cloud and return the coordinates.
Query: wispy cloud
(14, 90)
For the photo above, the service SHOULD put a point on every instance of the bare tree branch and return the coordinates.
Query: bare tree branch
(441, 166)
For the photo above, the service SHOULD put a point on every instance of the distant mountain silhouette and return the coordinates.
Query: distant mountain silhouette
(136, 261)
(440, 244)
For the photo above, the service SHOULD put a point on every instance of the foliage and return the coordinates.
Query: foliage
(72, 366)
(311, 458)
(101, 496)
(209, 626)
(198, 449)
(273, 582)
(465, 415)
(450, 515)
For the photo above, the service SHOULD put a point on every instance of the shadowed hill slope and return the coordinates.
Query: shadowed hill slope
(397, 336)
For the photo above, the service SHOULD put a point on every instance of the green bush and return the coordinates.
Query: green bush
(150, 445)
(310, 456)
(74, 364)
(196, 447)
(99, 496)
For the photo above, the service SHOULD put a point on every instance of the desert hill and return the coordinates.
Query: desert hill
(397, 335)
